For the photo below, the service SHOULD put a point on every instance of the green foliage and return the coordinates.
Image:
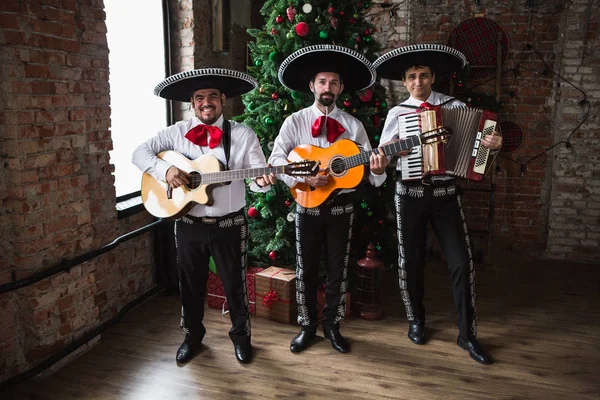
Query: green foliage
(338, 22)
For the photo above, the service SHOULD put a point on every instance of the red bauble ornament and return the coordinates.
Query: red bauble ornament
(274, 96)
(366, 96)
(288, 203)
(291, 13)
(279, 19)
(330, 10)
(358, 39)
(253, 212)
(334, 22)
(347, 103)
(377, 103)
(367, 31)
(302, 29)
(273, 255)
(274, 31)
(376, 120)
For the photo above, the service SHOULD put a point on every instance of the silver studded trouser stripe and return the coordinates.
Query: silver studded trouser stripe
(324, 230)
(438, 205)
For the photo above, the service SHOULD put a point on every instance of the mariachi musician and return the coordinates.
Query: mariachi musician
(434, 201)
(219, 230)
(326, 71)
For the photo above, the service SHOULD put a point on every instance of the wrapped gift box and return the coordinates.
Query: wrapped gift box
(276, 294)
(216, 292)
(321, 301)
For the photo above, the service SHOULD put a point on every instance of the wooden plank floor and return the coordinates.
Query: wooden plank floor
(540, 321)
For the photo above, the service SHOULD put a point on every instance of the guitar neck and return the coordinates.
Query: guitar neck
(389, 150)
(236, 175)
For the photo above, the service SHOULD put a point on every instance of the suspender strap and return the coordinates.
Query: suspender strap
(227, 141)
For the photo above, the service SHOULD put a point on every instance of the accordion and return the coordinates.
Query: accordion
(460, 156)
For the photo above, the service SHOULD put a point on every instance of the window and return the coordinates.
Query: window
(136, 41)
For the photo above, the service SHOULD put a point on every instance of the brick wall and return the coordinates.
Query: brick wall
(57, 189)
(552, 208)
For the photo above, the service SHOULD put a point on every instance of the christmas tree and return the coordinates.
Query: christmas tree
(289, 26)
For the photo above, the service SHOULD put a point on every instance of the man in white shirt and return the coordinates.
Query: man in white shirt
(219, 229)
(320, 70)
(436, 202)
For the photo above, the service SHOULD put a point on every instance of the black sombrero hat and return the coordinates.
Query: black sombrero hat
(301, 66)
(181, 86)
(442, 59)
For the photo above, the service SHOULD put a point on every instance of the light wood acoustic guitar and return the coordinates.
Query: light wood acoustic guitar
(162, 201)
(345, 164)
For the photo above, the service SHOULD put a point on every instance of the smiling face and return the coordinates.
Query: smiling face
(326, 87)
(418, 81)
(208, 105)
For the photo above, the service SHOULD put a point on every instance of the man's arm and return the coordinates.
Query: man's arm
(282, 147)
(145, 155)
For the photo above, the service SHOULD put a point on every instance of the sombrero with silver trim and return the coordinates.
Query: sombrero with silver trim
(442, 59)
(300, 67)
(181, 86)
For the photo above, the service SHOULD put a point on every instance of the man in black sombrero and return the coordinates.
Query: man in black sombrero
(324, 70)
(437, 202)
(219, 230)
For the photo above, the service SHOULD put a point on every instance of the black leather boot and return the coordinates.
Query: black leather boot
(338, 342)
(416, 333)
(302, 340)
(475, 349)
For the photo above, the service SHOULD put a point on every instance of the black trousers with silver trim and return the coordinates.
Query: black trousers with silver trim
(325, 230)
(224, 239)
(440, 205)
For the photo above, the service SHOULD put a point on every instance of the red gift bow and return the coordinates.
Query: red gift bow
(198, 135)
(334, 129)
(426, 106)
(269, 297)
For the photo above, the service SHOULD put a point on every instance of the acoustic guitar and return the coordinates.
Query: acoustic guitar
(345, 164)
(162, 201)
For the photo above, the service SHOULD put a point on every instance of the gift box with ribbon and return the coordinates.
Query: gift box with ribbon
(216, 292)
(276, 294)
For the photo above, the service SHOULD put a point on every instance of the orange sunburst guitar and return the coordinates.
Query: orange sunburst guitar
(206, 172)
(345, 164)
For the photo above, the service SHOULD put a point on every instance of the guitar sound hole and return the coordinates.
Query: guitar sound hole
(195, 180)
(337, 166)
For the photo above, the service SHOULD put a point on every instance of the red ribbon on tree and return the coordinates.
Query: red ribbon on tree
(202, 135)
(269, 297)
(334, 128)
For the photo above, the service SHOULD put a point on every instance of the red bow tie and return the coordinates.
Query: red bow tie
(334, 129)
(426, 106)
(199, 134)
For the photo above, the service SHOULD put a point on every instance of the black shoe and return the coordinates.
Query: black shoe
(476, 350)
(302, 340)
(243, 352)
(189, 348)
(416, 333)
(338, 342)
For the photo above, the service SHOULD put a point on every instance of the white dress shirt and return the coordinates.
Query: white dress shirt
(245, 152)
(390, 128)
(297, 130)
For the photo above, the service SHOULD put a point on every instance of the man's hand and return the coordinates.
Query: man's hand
(318, 180)
(176, 177)
(265, 180)
(493, 141)
(378, 162)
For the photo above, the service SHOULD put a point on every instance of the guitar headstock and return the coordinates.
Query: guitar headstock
(302, 168)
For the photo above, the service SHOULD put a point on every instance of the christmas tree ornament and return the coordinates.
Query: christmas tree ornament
(302, 29)
(274, 31)
(384, 104)
(291, 217)
(259, 206)
(291, 13)
(356, 16)
(273, 255)
(290, 35)
(258, 63)
(319, 20)
(251, 106)
(330, 10)
(367, 5)
(287, 203)
(307, 8)
(367, 31)
(273, 56)
(352, 21)
(366, 96)
(368, 39)
(370, 213)
(376, 138)
(274, 96)
(269, 197)
(295, 95)
(364, 205)
(347, 103)
(268, 120)
(334, 22)
(270, 146)
(262, 89)
(253, 212)
(279, 19)
(323, 34)
(354, 111)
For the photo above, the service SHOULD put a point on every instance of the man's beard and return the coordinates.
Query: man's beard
(326, 102)
(204, 120)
